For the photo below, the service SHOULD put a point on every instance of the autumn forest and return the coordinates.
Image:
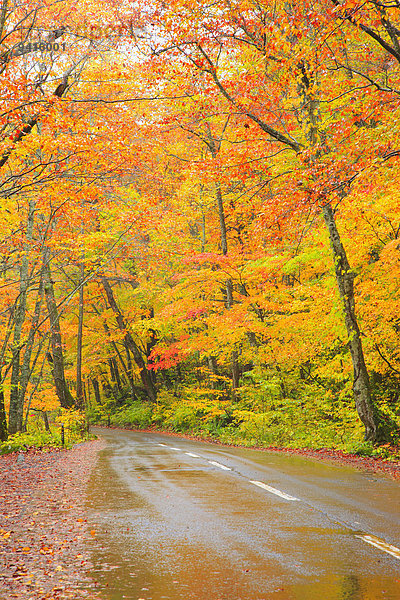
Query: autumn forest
(200, 219)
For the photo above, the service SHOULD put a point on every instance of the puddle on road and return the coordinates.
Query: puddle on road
(133, 560)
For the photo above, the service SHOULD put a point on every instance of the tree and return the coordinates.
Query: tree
(285, 84)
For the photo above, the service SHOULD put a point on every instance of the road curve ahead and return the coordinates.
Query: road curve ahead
(182, 520)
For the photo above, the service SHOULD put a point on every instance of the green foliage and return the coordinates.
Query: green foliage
(182, 418)
(197, 410)
(96, 414)
(39, 440)
(25, 441)
(136, 414)
(297, 409)
(74, 422)
(75, 431)
(362, 448)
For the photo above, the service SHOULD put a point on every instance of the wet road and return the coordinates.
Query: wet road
(183, 520)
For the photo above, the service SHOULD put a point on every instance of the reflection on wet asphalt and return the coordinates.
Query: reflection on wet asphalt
(177, 526)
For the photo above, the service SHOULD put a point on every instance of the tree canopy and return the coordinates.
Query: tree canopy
(200, 213)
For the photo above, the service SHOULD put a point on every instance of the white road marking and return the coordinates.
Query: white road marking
(369, 539)
(264, 486)
(217, 464)
(374, 541)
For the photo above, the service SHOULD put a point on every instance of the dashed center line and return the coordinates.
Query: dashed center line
(217, 464)
(273, 490)
(374, 541)
(369, 539)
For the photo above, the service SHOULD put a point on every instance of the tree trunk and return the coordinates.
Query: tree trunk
(25, 378)
(203, 232)
(344, 274)
(79, 388)
(115, 378)
(129, 371)
(3, 375)
(126, 376)
(212, 365)
(14, 423)
(235, 370)
(96, 389)
(345, 282)
(222, 224)
(86, 399)
(27, 368)
(56, 358)
(126, 368)
(38, 379)
(117, 375)
(46, 421)
(228, 283)
(130, 343)
(3, 420)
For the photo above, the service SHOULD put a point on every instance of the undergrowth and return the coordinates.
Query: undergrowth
(255, 418)
(37, 438)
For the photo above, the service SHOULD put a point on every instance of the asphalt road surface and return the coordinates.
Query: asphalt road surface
(182, 520)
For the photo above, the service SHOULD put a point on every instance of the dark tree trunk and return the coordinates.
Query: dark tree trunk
(222, 223)
(212, 365)
(345, 282)
(112, 373)
(117, 375)
(130, 343)
(96, 389)
(129, 370)
(235, 370)
(203, 232)
(56, 358)
(86, 399)
(3, 419)
(228, 283)
(79, 386)
(46, 421)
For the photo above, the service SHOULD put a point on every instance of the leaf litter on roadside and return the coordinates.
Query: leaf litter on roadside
(43, 527)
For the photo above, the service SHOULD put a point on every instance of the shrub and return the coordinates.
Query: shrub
(25, 441)
(136, 414)
(183, 418)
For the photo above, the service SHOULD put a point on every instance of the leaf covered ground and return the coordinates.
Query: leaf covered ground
(42, 524)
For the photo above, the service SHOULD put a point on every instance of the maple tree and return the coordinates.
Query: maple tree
(37, 151)
(286, 62)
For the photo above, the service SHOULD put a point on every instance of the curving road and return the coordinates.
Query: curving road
(182, 520)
